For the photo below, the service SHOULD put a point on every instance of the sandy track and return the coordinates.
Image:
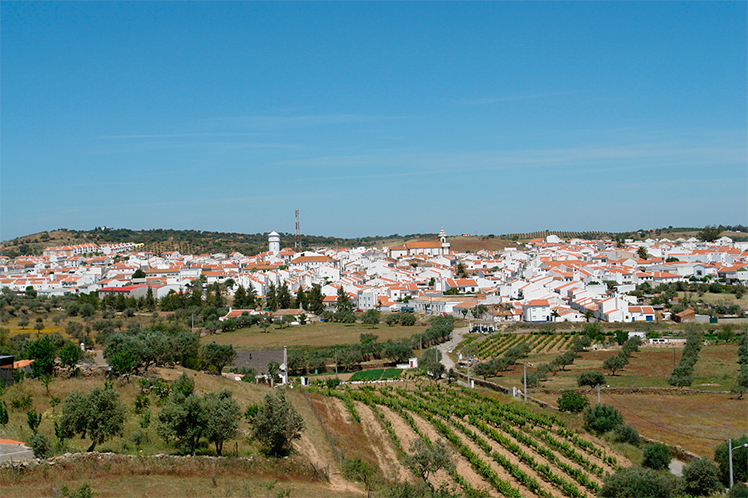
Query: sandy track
(384, 452)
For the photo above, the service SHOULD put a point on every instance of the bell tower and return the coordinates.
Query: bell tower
(443, 240)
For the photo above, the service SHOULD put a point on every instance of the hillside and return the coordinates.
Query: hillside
(497, 444)
(201, 242)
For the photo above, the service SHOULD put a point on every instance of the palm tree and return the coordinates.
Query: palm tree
(588, 314)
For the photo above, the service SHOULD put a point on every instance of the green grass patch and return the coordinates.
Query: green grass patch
(367, 375)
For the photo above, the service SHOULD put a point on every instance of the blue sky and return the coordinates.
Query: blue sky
(373, 118)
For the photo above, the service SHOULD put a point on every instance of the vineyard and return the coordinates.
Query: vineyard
(499, 445)
(496, 344)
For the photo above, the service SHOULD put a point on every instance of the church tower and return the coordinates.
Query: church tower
(443, 240)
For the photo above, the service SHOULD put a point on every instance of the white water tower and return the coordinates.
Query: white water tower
(274, 243)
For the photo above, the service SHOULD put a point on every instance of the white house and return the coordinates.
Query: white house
(538, 310)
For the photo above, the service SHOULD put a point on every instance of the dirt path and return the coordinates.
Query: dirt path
(448, 346)
(337, 482)
(381, 446)
(315, 446)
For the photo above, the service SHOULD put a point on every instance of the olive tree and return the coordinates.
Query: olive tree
(98, 415)
(184, 418)
(223, 418)
(217, 355)
(277, 424)
(429, 458)
(590, 378)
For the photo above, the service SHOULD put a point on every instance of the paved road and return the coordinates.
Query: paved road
(448, 346)
(14, 451)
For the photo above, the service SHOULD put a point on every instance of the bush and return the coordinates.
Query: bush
(739, 460)
(602, 418)
(639, 483)
(40, 444)
(702, 477)
(573, 402)
(625, 433)
(591, 378)
(738, 491)
(657, 456)
(84, 491)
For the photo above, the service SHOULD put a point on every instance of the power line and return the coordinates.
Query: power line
(661, 426)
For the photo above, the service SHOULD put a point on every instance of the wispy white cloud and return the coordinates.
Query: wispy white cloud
(277, 122)
(175, 135)
(513, 98)
(148, 144)
(597, 159)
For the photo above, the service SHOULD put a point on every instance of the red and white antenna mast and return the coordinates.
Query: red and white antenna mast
(297, 238)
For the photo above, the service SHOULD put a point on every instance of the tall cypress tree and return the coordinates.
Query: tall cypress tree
(240, 298)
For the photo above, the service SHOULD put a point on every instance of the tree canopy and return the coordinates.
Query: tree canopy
(98, 415)
(277, 424)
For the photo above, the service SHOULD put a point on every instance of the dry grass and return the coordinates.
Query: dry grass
(649, 367)
(475, 244)
(696, 422)
(722, 298)
(153, 477)
(315, 334)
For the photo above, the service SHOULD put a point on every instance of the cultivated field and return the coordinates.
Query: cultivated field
(695, 421)
(498, 444)
(312, 334)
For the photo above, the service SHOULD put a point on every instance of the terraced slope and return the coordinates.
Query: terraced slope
(499, 445)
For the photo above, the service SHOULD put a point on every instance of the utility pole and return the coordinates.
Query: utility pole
(598, 392)
(525, 391)
(469, 361)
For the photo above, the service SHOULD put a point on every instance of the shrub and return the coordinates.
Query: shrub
(738, 491)
(571, 401)
(591, 378)
(84, 491)
(656, 456)
(40, 444)
(625, 433)
(739, 460)
(702, 477)
(639, 483)
(602, 418)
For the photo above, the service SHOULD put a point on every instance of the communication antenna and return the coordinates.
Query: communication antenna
(297, 238)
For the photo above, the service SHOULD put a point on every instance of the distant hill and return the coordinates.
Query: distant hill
(201, 242)
(188, 241)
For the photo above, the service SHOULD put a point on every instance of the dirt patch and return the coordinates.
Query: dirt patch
(384, 452)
